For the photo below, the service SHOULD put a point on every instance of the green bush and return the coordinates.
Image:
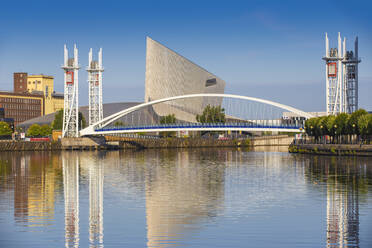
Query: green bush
(45, 130)
(34, 130)
(5, 130)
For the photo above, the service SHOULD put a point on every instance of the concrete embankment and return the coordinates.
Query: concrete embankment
(277, 140)
(29, 146)
(182, 143)
(114, 142)
(332, 149)
(126, 143)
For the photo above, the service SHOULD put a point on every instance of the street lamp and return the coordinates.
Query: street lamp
(335, 126)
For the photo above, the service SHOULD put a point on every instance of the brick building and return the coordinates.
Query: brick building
(20, 82)
(21, 106)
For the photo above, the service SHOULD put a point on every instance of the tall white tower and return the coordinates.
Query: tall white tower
(95, 70)
(70, 126)
(341, 77)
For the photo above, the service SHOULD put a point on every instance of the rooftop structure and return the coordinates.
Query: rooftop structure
(170, 74)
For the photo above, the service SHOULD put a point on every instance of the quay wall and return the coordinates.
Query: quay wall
(182, 143)
(113, 142)
(332, 149)
(29, 146)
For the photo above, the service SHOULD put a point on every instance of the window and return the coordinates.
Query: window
(210, 82)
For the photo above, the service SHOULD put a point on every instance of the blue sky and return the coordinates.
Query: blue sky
(268, 49)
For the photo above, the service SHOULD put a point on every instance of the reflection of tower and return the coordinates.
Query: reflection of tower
(179, 194)
(21, 178)
(341, 77)
(70, 126)
(96, 204)
(71, 191)
(342, 216)
(95, 70)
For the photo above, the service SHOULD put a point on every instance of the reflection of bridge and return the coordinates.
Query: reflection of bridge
(242, 114)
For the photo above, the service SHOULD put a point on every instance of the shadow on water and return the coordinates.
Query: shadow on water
(182, 189)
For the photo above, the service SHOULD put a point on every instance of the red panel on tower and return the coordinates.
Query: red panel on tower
(70, 77)
(332, 69)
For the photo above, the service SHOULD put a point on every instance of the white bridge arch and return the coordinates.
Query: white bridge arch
(91, 130)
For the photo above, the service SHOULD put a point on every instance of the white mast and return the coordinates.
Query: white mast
(95, 70)
(341, 77)
(70, 126)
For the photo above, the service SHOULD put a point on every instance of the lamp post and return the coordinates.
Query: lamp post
(335, 126)
(353, 130)
(321, 132)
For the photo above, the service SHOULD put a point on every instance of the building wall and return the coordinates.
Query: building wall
(57, 104)
(20, 82)
(44, 84)
(21, 107)
(170, 74)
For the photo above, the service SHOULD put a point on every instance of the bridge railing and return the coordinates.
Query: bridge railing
(199, 125)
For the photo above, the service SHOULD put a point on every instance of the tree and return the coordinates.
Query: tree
(352, 124)
(168, 119)
(34, 130)
(310, 125)
(212, 114)
(365, 125)
(82, 122)
(330, 124)
(340, 123)
(119, 124)
(45, 130)
(5, 130)
(58, 121)
(370, 124)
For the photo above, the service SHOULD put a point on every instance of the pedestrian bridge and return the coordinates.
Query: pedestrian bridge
(241, 113)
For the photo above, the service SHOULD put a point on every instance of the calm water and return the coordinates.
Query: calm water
(184, 198)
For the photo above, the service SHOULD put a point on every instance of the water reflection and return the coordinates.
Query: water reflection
(182, 191)
(93, 166)
(346, 180)
(35, 187)
(70, 165)
(96, 173)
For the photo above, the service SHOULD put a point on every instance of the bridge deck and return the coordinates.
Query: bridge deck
(199, 127)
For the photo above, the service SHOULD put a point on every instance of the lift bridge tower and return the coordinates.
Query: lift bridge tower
(341, 77)
(70, 126)
(95, 70)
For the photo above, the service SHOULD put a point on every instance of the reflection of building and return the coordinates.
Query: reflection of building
(342, 215)
(179, 194)
(343, 178)
(20, 168)
(35, 187)
(70, 166)
(169, 74)
(96, 203)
